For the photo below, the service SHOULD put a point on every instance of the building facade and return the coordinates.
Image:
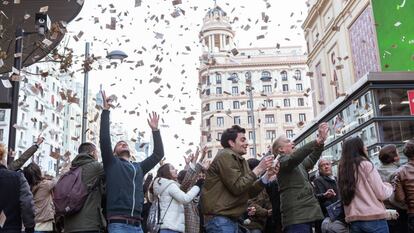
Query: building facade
(264, 90)
(376, 108)
(347, 39)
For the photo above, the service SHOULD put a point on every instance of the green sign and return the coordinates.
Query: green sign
(394, 21)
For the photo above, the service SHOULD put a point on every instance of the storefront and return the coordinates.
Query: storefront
(376, 108)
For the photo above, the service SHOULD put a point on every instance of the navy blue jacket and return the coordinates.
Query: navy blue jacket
(16, 201)
(124, 179)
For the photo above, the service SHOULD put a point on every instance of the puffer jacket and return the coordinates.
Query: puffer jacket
(172, 201)
(404, 186)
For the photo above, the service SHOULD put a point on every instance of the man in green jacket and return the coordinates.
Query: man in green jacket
(90, 218)
(230, 183)
(299, 207)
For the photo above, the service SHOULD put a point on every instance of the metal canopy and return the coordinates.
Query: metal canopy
(13, 16)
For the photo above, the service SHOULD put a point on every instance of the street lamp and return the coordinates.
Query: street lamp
(249, 89)
(116, 54)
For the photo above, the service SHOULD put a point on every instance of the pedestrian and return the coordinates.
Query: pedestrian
(16, 200)
(172, 199)
(259, 209)
(362, 190)
(326, 191)
(41, 188)
(124, 178)
(299, 206)
(18, 163)
(90, 218)
(230, 183)
(390, 162)
(404, 184)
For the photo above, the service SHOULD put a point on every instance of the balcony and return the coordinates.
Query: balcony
(266, 78)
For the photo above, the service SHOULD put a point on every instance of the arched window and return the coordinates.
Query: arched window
(266, 76)
(298, 75)
(284, 76)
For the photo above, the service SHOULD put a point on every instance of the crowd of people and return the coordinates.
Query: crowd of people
(229, 194)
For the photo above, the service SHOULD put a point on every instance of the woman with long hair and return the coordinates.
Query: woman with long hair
(42, 197)
(362, 189)
(172, 199)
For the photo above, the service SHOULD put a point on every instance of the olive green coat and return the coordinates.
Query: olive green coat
(297, 200)
(229, 185)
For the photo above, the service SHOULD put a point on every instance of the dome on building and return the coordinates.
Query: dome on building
(216, 11)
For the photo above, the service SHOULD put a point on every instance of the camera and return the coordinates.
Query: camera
(42, 23)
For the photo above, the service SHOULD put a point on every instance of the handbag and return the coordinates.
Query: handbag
(154, 221)
(336, 211)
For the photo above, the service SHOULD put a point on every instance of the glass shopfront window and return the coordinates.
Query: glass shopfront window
(392, 102)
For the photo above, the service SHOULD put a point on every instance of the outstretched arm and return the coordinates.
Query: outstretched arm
(158, 152)
(18, 163)
(104, 134)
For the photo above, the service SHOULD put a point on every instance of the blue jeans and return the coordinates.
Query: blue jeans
(168, 231)
(124, 228)
(220, 224)
(298, 228)
(374, 226)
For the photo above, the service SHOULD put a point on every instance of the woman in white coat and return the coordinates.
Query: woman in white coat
(172, 199)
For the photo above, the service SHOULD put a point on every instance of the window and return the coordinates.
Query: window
(249, 104)
(302, 117)
(2, 115)
(266, 76)
(234, 78)
(284, 76)
(219, 105)
(219, 91)
(268, 103)
(237, 120)
(1, 134)
(299, 87)
(298, 75)
(289, 133)
(251, 135)
(286, 102)
(220, 121)
(269, 118)
(218, 78)
(267, 88)
(236, 104)
(270, 134)
(249, 119)
(285, 87)
(235, 90)
(288, 117)
(301, 102)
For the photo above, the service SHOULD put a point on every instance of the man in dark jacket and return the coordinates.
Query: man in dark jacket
(230, 183)
(90, 217)
(326, 191)
(298, 205)
(125, 196)
(16, 200)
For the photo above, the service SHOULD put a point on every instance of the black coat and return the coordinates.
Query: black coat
(322, 184)
(16, 201)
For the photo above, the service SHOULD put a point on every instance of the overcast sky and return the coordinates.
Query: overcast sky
(136, 33)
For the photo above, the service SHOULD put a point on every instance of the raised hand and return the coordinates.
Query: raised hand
(106, 101)
(153, 121)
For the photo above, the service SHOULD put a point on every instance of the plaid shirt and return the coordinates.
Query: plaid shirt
(192, 218)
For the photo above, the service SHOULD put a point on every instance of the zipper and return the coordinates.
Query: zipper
(133, 191)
